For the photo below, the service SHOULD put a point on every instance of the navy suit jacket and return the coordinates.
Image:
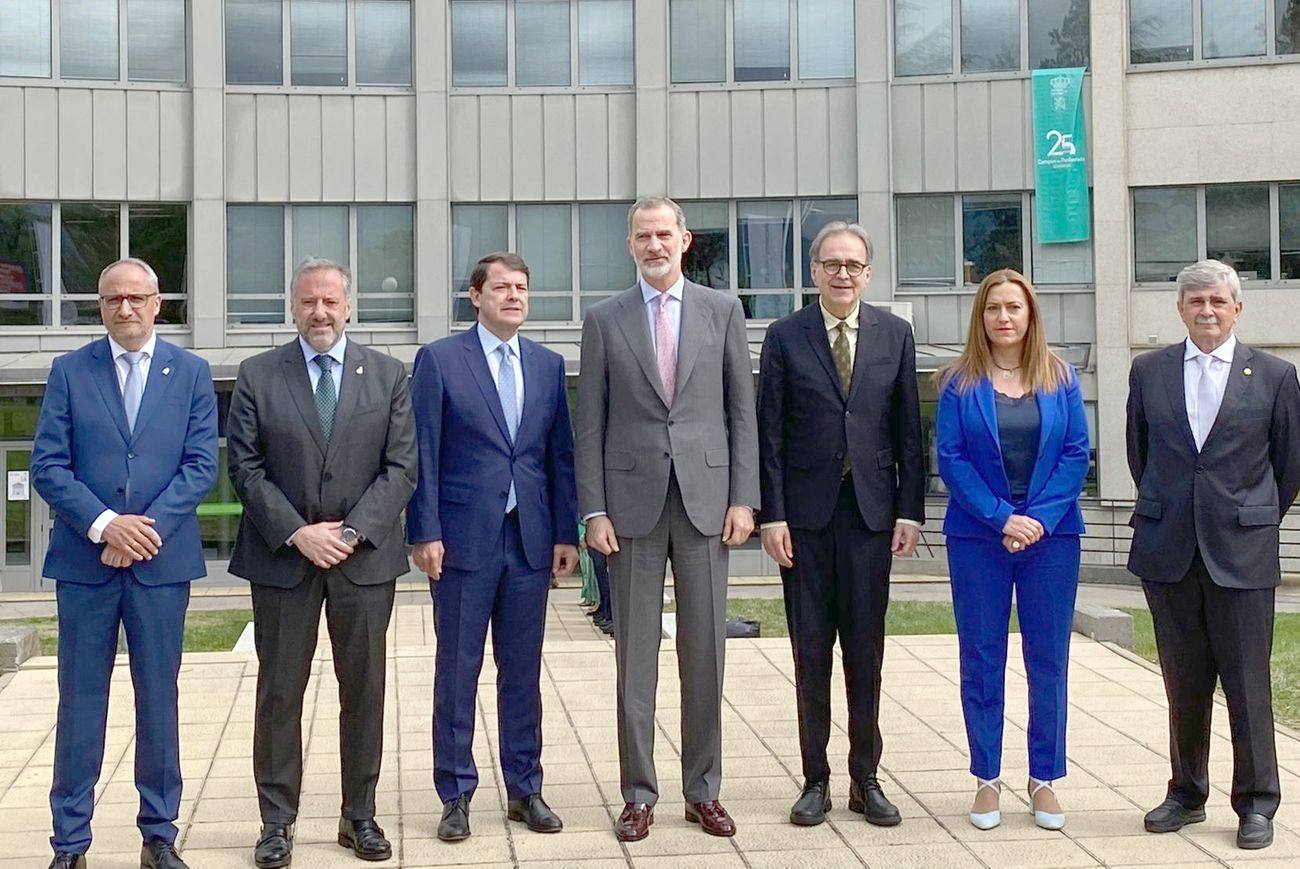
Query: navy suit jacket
(970, 461)
(467, 461)
(86, 460)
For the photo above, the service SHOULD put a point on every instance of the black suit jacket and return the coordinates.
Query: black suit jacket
(1229, 498)
(287, 475)
(806, 423)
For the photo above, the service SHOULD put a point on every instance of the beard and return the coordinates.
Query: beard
(660, 270)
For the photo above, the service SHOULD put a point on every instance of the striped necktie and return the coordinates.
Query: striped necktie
(327, 397)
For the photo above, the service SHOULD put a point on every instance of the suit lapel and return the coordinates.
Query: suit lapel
(298, 382)
(478, 367)
(983, 393)
(106, 381)
(1173, 374)
(1046, 419)
(696, 329)
(351, 384)
(631, 320)
(815, 330)
(867, 324)
(530, 359)
(1234, 392)
(155, 386)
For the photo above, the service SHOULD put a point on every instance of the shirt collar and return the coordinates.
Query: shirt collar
(491, 342)
(117, 349)
(1223, 352)
(648, 292)
(309, 353)
(832, 321)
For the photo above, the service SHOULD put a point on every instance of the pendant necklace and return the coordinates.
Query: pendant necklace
(1007, 373)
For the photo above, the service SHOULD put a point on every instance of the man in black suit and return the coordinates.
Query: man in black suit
(1214, 447)
(843, 488)
(322, 453)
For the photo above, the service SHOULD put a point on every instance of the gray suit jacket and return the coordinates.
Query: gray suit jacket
(287, 475)
(627, 438)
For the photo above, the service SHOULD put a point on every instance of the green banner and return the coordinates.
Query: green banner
(1060, 156)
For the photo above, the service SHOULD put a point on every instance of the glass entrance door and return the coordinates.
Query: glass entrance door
(25, 529)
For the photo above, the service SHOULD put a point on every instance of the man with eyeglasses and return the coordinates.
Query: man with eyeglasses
(842, 477)
(126, 448)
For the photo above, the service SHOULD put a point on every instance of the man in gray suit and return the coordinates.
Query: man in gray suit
(667, 463)
(322, 453)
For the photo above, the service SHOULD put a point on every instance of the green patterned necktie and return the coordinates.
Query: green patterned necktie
(843, 359)
(327, 398)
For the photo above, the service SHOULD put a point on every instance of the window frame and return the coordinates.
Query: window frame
(1274, 235)
(287, 209)
(1198, 61)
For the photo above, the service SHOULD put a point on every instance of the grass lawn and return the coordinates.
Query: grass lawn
(205, 630)
(904, 616)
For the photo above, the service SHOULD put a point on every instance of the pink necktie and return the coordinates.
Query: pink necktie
(666, 349)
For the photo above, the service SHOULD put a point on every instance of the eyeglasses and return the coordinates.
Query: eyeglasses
(833, 266)
(137, 303)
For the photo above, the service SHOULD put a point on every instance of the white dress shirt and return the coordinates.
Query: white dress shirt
(1220, 367)
(121, 367)
(490, 344)
(651, 297)
(309, 353)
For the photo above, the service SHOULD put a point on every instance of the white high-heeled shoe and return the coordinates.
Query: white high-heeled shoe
(987, 820)
(1046, 820)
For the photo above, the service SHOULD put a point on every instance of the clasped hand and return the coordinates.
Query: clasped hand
(129, 538)
(322, 544)
(1021, 532)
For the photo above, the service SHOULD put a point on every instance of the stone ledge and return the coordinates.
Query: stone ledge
(1103, 624)
(17, 644)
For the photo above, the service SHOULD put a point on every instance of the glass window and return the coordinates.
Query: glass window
(762, 40)
(159, 235)
(1059, 33)
(990, 35)
(991, 235)
(88, 39)
(318, 42)
(478, 43)
(24, 262)
(813, 215)
(764, 236)
(698, 40)
(604, 265)
(544, 238)
(922, 37)
(155, 40)
(1164, 232)
(541, 42)
(25, 38)
(476, 230)
(1160, 31)
(1233, 28)
(707, 260)
(255, 263)
(1059, 263)
(253, 48)
(1288, 201)
(605, 42)
(91, 239)
(927, 241)
(825, 39)
(383, 42)
(385, 264)
(320, 231)
(1287, 24)
(1237, 228)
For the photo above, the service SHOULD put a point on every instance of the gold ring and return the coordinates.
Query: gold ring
(1015, 544)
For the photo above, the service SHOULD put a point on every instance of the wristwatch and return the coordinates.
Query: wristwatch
(351, 536)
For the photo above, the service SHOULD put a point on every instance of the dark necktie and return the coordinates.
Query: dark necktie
(327, 398)
(843, 358)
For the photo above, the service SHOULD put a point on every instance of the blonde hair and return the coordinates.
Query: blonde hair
(1042, 369)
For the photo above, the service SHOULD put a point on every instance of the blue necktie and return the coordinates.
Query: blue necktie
(509, 404)
(327, 399)
(133, 389)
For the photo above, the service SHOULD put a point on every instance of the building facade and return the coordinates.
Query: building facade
(223, 140)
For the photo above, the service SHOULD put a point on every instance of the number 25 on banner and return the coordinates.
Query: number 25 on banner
(1062, 144)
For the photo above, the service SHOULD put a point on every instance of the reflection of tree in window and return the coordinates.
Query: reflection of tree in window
(705, 261)
(24, 261)
(991, 236)
(1158, 32)
(1059, 33)
(922, 37)
(90, 242)
(1288, 26)
(1237, 228)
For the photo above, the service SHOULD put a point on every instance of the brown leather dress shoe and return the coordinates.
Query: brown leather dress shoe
(711, 817)
(634, 823)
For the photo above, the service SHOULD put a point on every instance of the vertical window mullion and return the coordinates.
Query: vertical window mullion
(956, 46)
(286, 51)
(122, 48)
(353, 253)
(796, 255)
(573, 60)
(575, 294)
(1201, 232)
(733, 254)
(287, 276)
(1197, 54)
(1270, 38)
(56, 36)
(1275, 232)
(959, 240)
(351, 42)
(794, 45)
(512, 227)
(510, 51)
(56, 262)
(728, 47)
(1026, 236)
(1024, 42)
(123, 232)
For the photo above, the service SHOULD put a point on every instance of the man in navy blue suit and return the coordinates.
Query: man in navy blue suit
(494, 517)
(126, 448)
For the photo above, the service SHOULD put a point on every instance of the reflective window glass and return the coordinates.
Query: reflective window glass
(762, 40)
(1159, 31)
(478, 43)
(159, 235)
(318, 42)
(1164, 232)
(320, 231)
(927, 241)
(813, 215)
(825, 39)
(604, 265)
(1288, 200)
(253, 47)
(88, 39)
(605, 42)
(1059, 263)
(706, 260)
(698, 40)
(765, 256)
(922, 37)
(990, 35)
(1237, 228)
(91, 239)
(476, 230)
(544, 238)
(25, 245)
(1233, 28)
(385, 263)
(1059, 33)
(383, 42)
(1286, 23)
(541, 42)
(155, 40)
(991, 235)
(255, 263)
(25, 38)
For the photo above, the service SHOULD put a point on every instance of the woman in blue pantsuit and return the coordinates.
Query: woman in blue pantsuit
(1013, 452)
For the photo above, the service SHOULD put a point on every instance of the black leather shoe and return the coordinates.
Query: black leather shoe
(534, 812)
(365, 838)
(68, 861)
(1170, 816)
(274, 848)
(866, 798)
(1254, 832)
(813, 804)
(157, 854)
(454, 825)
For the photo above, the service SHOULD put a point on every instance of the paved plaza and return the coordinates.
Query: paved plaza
(1117, 752)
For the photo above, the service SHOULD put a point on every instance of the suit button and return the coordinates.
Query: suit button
(328, 476)
(1200, 469)
(839, 455)
(848, 413)
(130, 455)
(668, 455)
(670, 422)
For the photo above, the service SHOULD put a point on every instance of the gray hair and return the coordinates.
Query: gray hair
(1209, 274)
(835, 227)
(320, 263)
(647, 202)
(129, 261)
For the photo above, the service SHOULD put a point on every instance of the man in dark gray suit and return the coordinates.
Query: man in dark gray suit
(322, 453)
(667, 463)
(1214, 447)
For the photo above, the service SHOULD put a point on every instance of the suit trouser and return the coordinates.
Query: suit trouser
(1046, 579)
(285, 625)
(153, 618)
(839, 585)
(636, 585)
(600, 567)
(1204, 631)
(510, 595)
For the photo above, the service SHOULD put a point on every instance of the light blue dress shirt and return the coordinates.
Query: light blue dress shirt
(490, 344)
(651, 297)
(313, 370)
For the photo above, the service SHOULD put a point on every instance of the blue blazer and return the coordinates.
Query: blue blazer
(467, 461)
(970, 461)
(86, 460)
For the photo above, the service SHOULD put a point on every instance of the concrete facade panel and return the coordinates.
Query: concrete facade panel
(109, 108)
(337, 149)
(12, 125)
(462, 148)
(629, 165)
(747, 143)
(272, 148)
(40, 132)
(974, 154)
(939, 136)
(591, 113)
(370, 149)
(142, 144)
(684, 144)
(715, 147)
(76, 144)
(559, 144)
(906, 133)
(305, 136)
(241, 147)
(526, 158)
(399, 156)
(1008, 134)
(175, 146)
(812, 149)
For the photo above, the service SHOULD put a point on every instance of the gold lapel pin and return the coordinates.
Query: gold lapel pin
(360, 368)
(167, 371)
(1247, 372)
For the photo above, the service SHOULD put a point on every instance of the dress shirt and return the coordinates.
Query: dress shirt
(651, 297)
(121, 367)
(1220, 368)
(309, 353)
(490, 344)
